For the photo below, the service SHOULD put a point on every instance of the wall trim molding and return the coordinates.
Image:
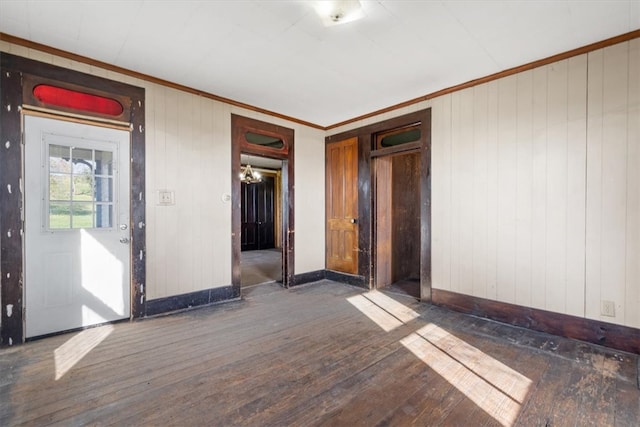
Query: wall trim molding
(309, 277)
(545, 61)
(86, 60)
(500, 74)
(619, 337)
(197, 299)
(336, 276)
(349, 279)
(190, 300)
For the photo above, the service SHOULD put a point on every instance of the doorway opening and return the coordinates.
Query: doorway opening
(264, 142)
(393, 230)
(32, 87)
(401, 206)
(397, 223)
(261, 221)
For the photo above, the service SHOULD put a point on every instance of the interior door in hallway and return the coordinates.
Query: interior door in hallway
(342, 206)
(258, 224)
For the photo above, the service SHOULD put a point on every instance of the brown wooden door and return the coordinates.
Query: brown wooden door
(342, 206)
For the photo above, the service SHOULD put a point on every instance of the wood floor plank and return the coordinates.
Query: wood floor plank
(309, 357)
(238, 374)
(317, 372)
(189, 360)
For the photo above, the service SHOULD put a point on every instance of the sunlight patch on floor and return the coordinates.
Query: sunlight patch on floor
(382, 310)
(494, 387)
(77, 347)
(393, 307)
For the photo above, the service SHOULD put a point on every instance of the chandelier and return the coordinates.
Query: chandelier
(249, 176)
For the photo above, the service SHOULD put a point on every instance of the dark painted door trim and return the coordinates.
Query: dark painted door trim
(18, 77)
(239, 145)
(366, 137)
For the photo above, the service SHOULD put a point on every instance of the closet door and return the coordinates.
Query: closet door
(342, 206)
(257, 217)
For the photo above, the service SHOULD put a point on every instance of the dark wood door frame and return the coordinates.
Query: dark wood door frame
(366, 137)
(19, 77)
(239, 145)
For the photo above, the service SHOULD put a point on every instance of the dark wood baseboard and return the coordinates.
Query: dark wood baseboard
(312, 276)
(192, 299)
(225, 293)
(70, 331)
(336, 276)
(619, 337)
(349, 279)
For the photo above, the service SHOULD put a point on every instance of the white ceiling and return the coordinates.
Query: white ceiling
(261, 162)
(278, 56)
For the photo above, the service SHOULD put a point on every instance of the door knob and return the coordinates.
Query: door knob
(354, 220)
(124, 240)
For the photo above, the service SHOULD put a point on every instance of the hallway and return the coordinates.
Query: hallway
(260, 266)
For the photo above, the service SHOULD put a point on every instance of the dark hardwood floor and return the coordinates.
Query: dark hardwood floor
(320, 354)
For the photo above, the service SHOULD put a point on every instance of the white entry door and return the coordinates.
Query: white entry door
(76, 225)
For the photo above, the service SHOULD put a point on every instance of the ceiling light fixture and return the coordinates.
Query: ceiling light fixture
(249, 176)
(339, 11)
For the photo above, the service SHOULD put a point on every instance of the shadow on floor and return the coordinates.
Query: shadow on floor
(406, 287)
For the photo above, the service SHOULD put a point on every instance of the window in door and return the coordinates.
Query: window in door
(80, 188)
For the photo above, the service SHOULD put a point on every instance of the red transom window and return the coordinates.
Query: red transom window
(80, 101)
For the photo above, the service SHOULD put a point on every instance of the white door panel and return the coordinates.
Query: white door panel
(76, 214)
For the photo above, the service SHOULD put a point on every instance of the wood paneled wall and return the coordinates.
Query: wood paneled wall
(188, 242)
(536, 188)
(613, 182)
(188, 152)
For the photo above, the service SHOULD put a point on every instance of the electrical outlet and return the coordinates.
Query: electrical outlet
(608, 308)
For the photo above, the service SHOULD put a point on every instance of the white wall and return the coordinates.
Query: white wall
(613, 182)
(536, 186)
(510, 210)
(188, 151)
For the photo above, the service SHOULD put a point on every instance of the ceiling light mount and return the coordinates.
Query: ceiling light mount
(335, 17)
(339, 11)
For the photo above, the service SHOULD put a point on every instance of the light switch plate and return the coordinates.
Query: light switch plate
(165, 197)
